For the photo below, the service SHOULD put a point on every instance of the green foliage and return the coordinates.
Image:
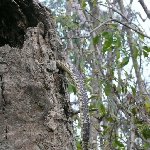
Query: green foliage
(83, 4)
(112, 54)
(78, 144)
(145, 54)
(124, 62)
(102, 109)
(136, 52)
(111, 41)
(146, 146)
(133, 90)
(106, 130)
(134, 110)
(72, 88)
(144, 130)
(107, 89)
(146, 51)
(118, 144)
(147, 106)
(93, 105)
(88, 85)
(108, 41)
(67, 22)
(146, 48)
(94, 96)
(117, 42)
(110, 119)
(96, 39)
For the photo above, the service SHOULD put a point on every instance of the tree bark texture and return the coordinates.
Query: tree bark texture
(34, 106)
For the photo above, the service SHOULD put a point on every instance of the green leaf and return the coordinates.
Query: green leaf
(146, 48)
(146, 132)
(146, 146)
(133, 90)
(94, 3)
(118, 54)
(105, 34)
(107, 44)
(134, 110)
(78, 144)
(108, 41)
(124, 89)
(117, 41)
(110, 119)
(88, 80)
(141, 37)
(83, 4)
(96, 40)
(124, 62)
(145, 54)
(113, 25)
(107, 89)
(94, 96)
(89, 88)
(106, 130)
(147, 106)
(72, 88)
(92, 106)
(102, 109)
(118, 143)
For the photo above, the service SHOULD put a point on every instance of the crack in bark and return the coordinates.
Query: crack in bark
(6, 131)
(2, 93)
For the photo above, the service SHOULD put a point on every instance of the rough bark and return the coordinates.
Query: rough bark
(34, 107)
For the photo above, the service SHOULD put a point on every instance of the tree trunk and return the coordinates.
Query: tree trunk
(34, 106)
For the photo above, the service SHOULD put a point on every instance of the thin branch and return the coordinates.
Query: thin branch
(92, 15)
(75, 37)
(139, 14)
(115, 10)
(102, 24)
(106, 22)
(78, 111)
(115, 20)
(145, 8)
(124, 24)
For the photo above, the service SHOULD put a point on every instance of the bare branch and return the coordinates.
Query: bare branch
(102, 24)
(105, 23)
(145, 8)
(115, 10)
(124, 24)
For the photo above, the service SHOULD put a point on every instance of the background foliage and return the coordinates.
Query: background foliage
(107, 43)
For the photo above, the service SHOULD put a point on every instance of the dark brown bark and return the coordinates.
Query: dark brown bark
(34, 110)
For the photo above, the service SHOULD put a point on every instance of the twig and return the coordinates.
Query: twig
(145, 8)
(114, 10)
(124, 24)
(102, 24)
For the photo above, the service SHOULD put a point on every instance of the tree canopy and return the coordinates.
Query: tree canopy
(108, 41)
